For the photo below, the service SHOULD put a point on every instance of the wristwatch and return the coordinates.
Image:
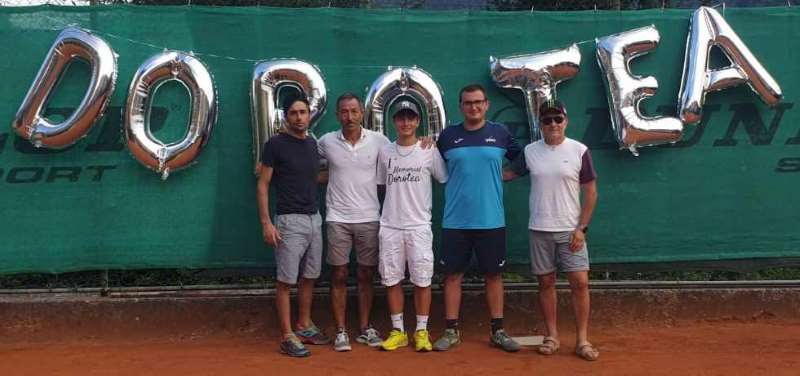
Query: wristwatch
(584, 228)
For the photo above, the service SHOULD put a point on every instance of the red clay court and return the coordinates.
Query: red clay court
(722, 347)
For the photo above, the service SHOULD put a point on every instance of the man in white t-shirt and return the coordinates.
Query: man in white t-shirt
(561, 171)
(406, 168)
(352, 215)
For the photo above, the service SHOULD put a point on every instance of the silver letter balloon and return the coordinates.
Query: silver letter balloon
(156, 71)
(72, 43)
(625, 91)
(537, 75)
(405, 82)
(269, 78)
(708, 29)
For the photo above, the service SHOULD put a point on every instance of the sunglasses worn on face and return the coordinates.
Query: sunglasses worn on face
(552, 120)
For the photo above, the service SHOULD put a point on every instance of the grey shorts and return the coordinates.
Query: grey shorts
(300, 251)
(550, 252)
(342, 237)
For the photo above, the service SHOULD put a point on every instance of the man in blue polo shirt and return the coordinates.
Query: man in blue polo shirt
(474, 217)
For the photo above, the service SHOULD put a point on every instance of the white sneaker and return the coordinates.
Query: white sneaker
(370, 337)
(342, 342)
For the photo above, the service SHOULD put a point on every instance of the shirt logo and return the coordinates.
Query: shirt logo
(458, 140)
(491, 139)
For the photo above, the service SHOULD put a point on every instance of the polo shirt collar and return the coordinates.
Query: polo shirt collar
(340, 135)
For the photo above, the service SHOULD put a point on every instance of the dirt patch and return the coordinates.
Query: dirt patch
(721, 347)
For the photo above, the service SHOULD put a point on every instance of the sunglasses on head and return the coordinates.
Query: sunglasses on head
(552, 120)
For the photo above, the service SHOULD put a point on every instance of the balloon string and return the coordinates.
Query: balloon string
(239, 59)
(204, 54)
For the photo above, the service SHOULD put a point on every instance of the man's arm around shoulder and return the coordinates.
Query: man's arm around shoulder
(518, 167)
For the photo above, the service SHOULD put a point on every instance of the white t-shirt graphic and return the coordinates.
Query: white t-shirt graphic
(407, 171)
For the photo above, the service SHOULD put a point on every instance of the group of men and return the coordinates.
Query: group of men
(396, 239)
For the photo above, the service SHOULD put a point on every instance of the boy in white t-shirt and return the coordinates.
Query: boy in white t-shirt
(405, 235)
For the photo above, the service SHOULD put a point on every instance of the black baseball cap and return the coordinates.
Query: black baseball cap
(405, 106)
(553, 107)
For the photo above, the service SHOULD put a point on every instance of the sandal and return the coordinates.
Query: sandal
(549, 346)
(587, 352)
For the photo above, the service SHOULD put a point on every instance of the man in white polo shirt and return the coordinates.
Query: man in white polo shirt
(561, 171)
(353, 213)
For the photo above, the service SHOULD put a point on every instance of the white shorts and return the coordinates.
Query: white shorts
(412, 246)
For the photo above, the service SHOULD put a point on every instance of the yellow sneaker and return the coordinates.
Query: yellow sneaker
(422, 341)
(396, 340)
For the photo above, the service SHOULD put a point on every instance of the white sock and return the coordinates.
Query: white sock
(422, 322)
(397, 322)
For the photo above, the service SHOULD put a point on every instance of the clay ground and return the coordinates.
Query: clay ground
(763, 346)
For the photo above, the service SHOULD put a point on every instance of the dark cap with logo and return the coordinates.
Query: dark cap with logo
(552, 108)
(405, 106)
